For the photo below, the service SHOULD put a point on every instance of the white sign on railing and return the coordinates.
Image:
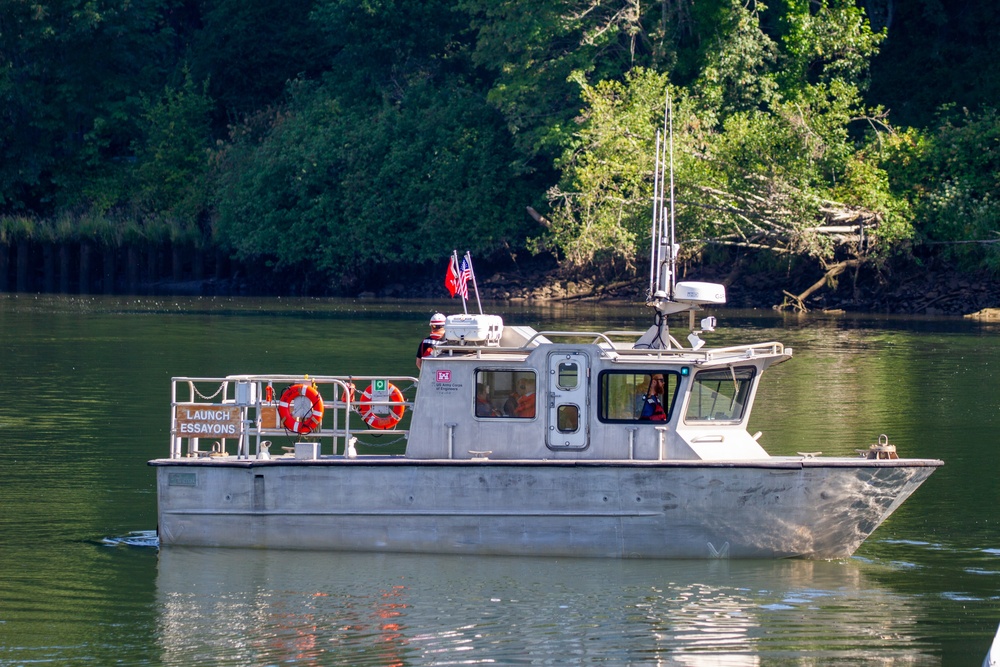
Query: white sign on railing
(204, 421)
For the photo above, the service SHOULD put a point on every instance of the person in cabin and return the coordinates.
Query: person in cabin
(526, 399)
(510, 405)
(652, 407)
(434, 339)
(484, 406)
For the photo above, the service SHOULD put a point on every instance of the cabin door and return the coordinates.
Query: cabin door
(567, 401)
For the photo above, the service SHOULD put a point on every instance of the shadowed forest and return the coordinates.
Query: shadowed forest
(339, 147)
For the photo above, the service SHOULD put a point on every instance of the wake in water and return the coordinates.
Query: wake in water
(137, 538)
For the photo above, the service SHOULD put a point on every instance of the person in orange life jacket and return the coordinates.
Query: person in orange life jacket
(526, 400)
(428, 344)
(510, 405)
(652, 406)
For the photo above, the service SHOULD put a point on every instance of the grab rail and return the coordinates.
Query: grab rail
(608, 347)
(245, 408)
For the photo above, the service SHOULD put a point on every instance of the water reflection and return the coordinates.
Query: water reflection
(260, 607)
(88, 378)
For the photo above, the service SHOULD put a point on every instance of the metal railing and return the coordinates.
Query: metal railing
(609, 348)
(247, 410)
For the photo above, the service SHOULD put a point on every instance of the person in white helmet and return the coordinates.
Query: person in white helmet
(428, 344)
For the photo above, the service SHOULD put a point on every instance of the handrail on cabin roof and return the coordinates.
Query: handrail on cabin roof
(608, 347)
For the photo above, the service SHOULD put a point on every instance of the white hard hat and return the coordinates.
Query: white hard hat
(437, 320)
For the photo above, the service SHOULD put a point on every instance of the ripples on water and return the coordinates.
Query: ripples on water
(137, 538)
(281, 607)
(85, 410)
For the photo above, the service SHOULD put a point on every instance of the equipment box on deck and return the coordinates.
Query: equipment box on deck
(474, 329)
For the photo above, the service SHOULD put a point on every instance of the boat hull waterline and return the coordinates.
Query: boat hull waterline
(778, 508)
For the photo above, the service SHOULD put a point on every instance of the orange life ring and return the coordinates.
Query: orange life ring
(378, 421)
(301, 408)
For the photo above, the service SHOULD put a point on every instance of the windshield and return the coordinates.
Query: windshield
(719, 395)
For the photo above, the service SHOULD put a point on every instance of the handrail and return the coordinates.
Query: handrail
(603, 339)
(598, 335)
(709, 354)
(531, 344)
(252, 408)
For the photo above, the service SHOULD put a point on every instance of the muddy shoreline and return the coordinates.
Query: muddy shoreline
(915, 292)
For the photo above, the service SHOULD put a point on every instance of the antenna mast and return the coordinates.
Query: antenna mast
(664, 251)
(673, 235)
(663, 248)
(663, 264)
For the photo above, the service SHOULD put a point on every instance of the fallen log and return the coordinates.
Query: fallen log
(798, 302)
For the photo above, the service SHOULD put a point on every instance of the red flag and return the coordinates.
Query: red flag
(451, 278)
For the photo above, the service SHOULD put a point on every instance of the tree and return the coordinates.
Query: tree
(69, 83)
(535, 50)
(601, 208)
(172, 157)
(348, 194)
(249, 51)
(952, 175)
(759, 165)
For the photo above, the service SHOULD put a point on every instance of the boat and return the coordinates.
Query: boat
(992, 658)
(517, 441)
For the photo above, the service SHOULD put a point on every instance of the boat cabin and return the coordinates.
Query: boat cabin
(577, 395)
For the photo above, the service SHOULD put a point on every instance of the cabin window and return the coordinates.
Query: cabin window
(567, 375)
(622, 394)
(568, 418)
(505, 394)
(719, 394)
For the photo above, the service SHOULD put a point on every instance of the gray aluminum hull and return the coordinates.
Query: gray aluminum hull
(774, 508)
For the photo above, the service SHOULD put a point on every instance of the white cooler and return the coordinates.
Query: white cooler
(473, 329)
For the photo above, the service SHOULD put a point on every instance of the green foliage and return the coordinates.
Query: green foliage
(368, 134)
(70, 72)
(755, 165)
(346, 192)
(172, 156)
(248, 51)
(865, 183)
(382, 47)
(602, 206)
(936, 54)
(534, 50)
(738, 72)
(954, 174)
(14, 227)
(833, 41)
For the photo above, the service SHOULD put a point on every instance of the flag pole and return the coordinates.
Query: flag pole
(468, 258)
(458, 268)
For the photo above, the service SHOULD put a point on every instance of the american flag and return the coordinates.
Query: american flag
(464, 274)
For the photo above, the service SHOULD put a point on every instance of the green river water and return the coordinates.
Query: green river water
(87, 404)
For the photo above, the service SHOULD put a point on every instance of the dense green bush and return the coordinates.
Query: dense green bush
(764, 159)
(335, 139)
(952, 174)
(348, 192)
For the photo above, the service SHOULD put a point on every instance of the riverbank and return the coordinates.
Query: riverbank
(175, 269)
(910, 291)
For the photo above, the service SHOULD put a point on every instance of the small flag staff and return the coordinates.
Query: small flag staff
(475, 286)
(456, 279)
